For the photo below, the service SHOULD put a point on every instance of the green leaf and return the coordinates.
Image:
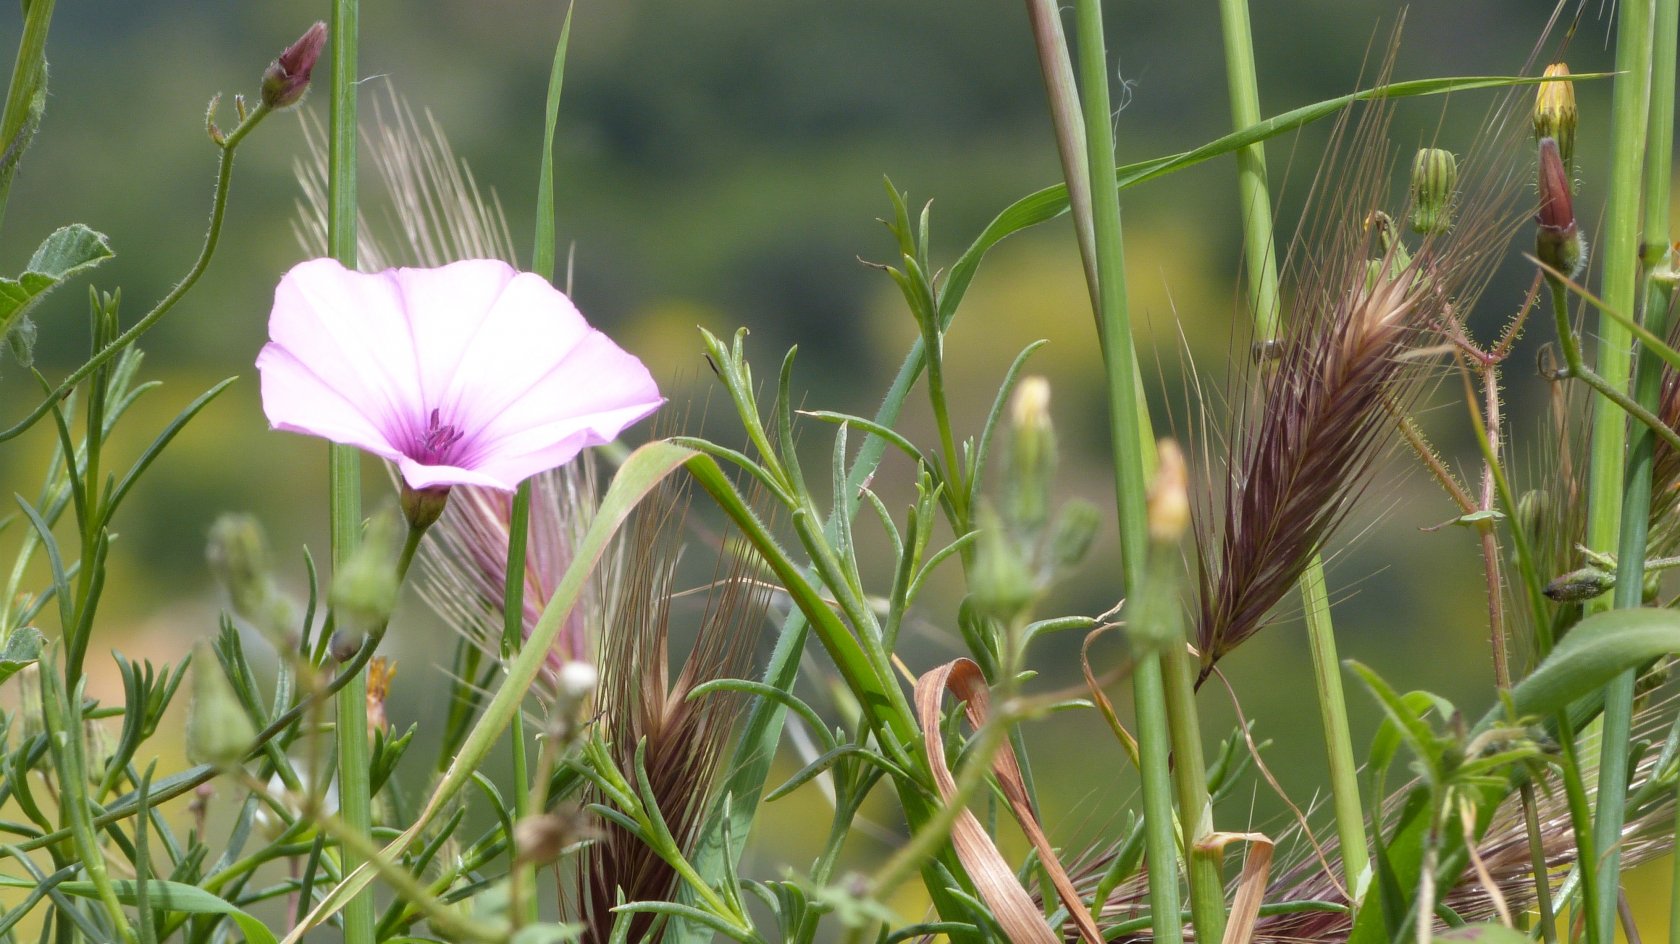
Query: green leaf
(22, 650)
(182, 898)
(68, 251)
(542, 247)
(1598, 649)
(1051, 202)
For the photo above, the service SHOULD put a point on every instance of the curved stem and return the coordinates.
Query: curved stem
(212, 237)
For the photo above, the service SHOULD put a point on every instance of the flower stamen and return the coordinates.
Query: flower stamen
(437, 441)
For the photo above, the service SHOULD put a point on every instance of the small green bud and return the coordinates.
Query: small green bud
(97, 749)
(1002, 585)
(364, 590)
(1075, 531)
(238, 556)
(1579, 585)
(1434, 190)
(1554, 112)
(423, 506)
(1032, 457)
(1533, 510)
(218, 730)
(34, 720)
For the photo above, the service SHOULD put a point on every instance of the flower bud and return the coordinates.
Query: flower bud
(1169, 495)
(97, 749)
(1032, 456)
(380, 673)
(1579, 585)
(1002, 584)
(539, 839)
(33, 719)
(422, 507)
(218, 730)
(287, 77)
(1558, 242)
(1075, 530)
(1434, 188)
(1554, 113)
(237, 552)
(364, 590)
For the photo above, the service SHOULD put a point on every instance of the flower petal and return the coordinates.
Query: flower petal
(296, 399)
(419, 475)
(351, 330)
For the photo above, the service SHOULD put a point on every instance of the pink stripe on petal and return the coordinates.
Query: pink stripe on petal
(297, 399)
(351, 329)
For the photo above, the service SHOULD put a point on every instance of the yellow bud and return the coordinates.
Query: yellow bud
(1554, 112)
(1169, 495)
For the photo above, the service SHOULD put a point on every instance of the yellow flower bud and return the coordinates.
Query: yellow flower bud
(1554, 112)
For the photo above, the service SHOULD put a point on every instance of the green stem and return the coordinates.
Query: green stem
(344, 462)
(523, 906)
(61, 710)
(26, 96)
(212, 237)
(1265, 306)
(1207, 884)
(1332, 707)
(1618, 500)
(1259, 253)
(1129, 431)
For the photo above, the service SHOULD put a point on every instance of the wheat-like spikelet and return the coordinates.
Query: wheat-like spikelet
(1364, 320)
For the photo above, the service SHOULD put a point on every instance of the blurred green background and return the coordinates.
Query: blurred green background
(721, 164)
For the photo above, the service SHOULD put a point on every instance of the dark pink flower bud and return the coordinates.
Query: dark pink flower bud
(1558, 242)
(287, 77)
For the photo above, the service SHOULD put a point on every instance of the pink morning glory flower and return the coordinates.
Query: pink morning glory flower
(468, 374)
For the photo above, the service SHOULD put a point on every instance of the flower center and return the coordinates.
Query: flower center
(435, 444)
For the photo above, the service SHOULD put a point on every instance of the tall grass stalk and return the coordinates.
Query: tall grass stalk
(344, 462)
(1658, 161)
(1128, 431)
(1260, 241)
(1619, 484)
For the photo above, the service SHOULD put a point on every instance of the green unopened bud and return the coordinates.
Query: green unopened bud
(97, 749)
(1002, 585)
(1533, 512)
(1579, 585)
(1554, 112)
(1395, 259)
(1032, 457)
(364, 590)
(423, 506)
(34, 721)
(218, 730)
(238, 556)
(1434, 189)
(1075, 531)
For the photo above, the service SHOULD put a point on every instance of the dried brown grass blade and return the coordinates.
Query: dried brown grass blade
(1100, 698)
(1011, 904)
(1251, 885)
